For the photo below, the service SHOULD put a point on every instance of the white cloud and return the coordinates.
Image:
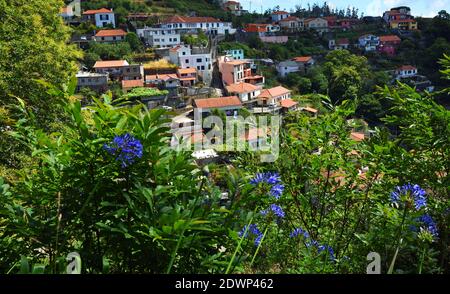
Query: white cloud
(374, 8)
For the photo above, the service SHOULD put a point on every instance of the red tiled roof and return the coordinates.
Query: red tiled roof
(288, 103)
(218, 102)
(188, 19)
(302, 59)
(358, 137)
(406, 67)
(102, 10)
(402, 20)
(290, 18)
(110, 63)
(390, 38)
(241, 88)
(111, 33)
(274, 92)
(310, 109)
(256, 27)
(132, 83)
(162, 77)
(186, 71)
(280, 12)
(342, 41)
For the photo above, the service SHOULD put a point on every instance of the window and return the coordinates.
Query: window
(198, 67)
(187, 61)
(199, 60)
(203, 67)
(184, 53)
(175, 40)
(103, 38)
(114, 38)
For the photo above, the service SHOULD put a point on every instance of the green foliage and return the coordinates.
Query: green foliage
(107, 51)
(137, 93)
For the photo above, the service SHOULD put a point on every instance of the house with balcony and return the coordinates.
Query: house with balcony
(182, 56)
(100, 17)
(286, 67)
(369, 42)
(191, 25)
(110, 36)
(169, 82)
(237, 71)
(400, 18)
(403, 24)
(291, 24)
(318, 24)
(273, 97)
(304, 63)
(245, 91)
(279, 15)
(187, 76)
(120, 69)
(262, 29)
(389, 44)
(342, 43)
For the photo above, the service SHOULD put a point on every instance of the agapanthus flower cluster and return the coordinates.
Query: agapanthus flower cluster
(271, 178)
(409, 193)
(309, 242)
(427, 224)
(252, 229)
(275, 209)
(125, 148)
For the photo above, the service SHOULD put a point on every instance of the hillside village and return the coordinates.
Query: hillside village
(184, 61)
(216, 137)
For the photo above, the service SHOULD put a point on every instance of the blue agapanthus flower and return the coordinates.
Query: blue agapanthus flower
(299, 232)
(327, 248)
(415, 192)
(277, 190)
(125, 148)
(428, 224)
(270, 178)
(275, 209)
(253, 229)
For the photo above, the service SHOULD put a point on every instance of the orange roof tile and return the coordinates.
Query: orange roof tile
(110, 63)
(186, 71)
(256, 27)
(254, 134)
(241, 88)
(188, 19)
(217, 102)
(274, 92)
(132, 83)
(302, 59)
(280, 12)
(288, 103)
(407, 67)
(95, 11)
(310, 109)
(358, 137)
(162, 77)
(290, 18)
(390, 38)
(110, 33)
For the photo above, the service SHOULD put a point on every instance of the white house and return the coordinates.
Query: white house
(279, 15)
(245, 91)
(318, 24)
(369, 42)
(405, 71)
(292, 24)
(66, 13)
(100, 17)
(286, 67)
(191, 25)
(159, 38)
(182, 55)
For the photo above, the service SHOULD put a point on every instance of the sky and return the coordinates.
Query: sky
(424, 8)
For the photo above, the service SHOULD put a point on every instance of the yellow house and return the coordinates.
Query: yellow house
(403, 24)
